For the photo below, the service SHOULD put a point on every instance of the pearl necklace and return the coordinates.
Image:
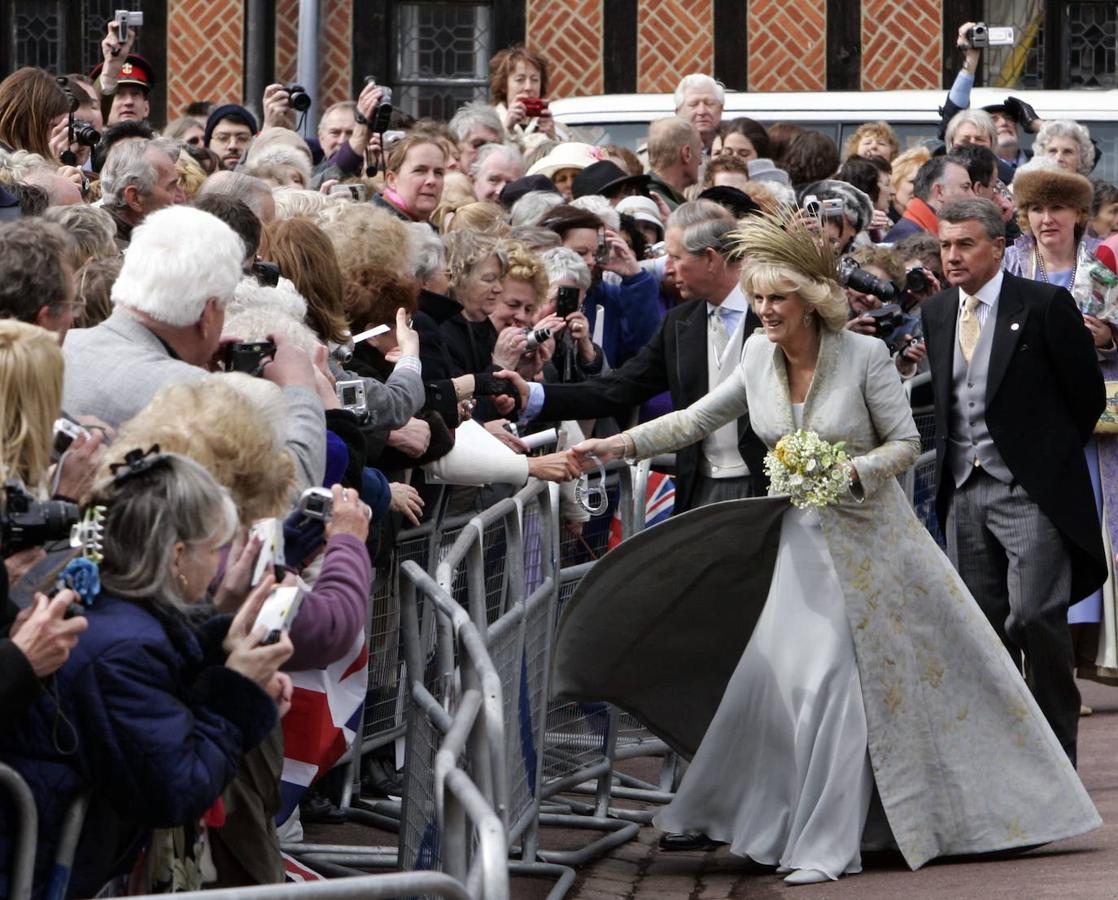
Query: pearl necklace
(1044, 272)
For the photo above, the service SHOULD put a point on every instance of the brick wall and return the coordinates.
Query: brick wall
(287, 39)
(335, 50)
(570, 31)
(675, 38)
(205, 56)
(901, 44)
(787, 45)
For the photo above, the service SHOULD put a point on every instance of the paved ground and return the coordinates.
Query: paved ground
(1081, 869)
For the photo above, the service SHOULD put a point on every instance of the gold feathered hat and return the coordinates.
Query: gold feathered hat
(784, 239)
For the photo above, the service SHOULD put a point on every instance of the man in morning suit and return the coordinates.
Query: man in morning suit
(698, 345)
(1017, 394)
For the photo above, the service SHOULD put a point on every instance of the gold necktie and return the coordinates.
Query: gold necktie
(969, 327)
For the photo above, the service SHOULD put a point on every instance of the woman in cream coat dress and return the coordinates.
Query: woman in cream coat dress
(870, 665)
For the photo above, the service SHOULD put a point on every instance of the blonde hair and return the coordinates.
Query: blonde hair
(363, 234)
(480, 216)
(91, 228)
(217, 426)
(823, 297)
(881, 130)
(526, 266)
(293, 203)
(191, 175)
(465, 250)
(31, 374)
(907, 163)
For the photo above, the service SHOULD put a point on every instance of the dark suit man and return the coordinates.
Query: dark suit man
(1017, 393)
(686, 351)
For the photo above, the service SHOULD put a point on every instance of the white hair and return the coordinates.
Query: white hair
(426, 250)
(533, 207)
(563, 264)
(256, 323)
(251, 294)
(698, 80)
(18, 165)
(1073, 130)
(277, 154)
(292, 203)
(470, 116)
(979, 118)
(487, 150)
(179, 258)
(265, 397)
(249, 190)
(602, 208)
(128, 164)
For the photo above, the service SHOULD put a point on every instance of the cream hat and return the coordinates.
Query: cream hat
(567, 155)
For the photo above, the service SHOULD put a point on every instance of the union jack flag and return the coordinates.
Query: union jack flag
(659, 503)
(322, 724)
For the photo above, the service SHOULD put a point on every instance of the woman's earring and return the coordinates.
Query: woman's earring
(807, 319)
(183, 583)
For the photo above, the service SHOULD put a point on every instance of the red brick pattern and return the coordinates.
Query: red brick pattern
(204, 52)
(675, 38)
(571, 31)
(902, 42)
(287, 39)
(788, 45)
(335, 50)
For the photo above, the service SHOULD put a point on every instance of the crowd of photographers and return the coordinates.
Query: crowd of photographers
(234, 361)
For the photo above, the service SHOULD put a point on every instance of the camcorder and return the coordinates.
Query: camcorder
(890, 319)
(982, 35)
(26, 522)
(249, 357)
(351, 396)
(123, 19)
(298, 97)
(823, 209)
(381, 114)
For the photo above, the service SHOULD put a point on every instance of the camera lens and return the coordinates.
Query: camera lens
(298, 97)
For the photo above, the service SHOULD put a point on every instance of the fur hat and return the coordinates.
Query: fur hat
(1041, 182)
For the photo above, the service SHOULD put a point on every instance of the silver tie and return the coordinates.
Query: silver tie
(718, 333)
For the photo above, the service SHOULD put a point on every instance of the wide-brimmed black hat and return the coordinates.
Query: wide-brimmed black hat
(605, 178)
(737, 201)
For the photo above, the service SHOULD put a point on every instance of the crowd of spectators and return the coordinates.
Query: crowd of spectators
(200, 325)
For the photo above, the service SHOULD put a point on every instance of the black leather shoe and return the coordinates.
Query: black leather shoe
(688, 840)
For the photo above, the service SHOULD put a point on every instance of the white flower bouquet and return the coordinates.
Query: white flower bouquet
(808, 469)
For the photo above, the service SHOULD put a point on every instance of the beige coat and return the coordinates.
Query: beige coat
(961, 755)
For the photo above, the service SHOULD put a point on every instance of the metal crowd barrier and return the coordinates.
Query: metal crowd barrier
(26, 833)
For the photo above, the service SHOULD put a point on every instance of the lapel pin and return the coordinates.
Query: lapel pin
(1014, 327)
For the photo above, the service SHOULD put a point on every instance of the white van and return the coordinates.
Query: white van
(623, 118)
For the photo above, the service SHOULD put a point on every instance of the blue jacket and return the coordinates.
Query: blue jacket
(144, 714)
(632, 314)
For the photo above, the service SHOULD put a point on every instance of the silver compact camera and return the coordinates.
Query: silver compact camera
(982, 35)
(351, 396)
(533, 339)
(316, 503)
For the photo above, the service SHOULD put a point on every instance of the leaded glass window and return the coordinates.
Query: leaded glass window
(1022, 65)
(443, 56)
(1091, 45)
(38, 34)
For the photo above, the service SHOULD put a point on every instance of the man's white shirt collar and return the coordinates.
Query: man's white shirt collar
(989, 292)
(735, 300)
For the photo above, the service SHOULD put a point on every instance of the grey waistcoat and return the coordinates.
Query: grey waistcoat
(969, 444)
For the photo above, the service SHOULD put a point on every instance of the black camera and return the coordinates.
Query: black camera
(81, 132)
(566, 301)
(266, 273)
(382, 115)
(298, 97)
(27, 522)
(535, 338)
(886, 320)
(249, 357)
(916, 281)
(852, 275)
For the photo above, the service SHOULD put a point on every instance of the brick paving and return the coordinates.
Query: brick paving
(1085, 868)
